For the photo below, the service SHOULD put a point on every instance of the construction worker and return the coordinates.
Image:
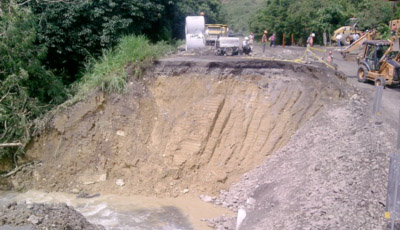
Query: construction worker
(338, 39)
(272, 39)
(394, 29)
(251, 38)
(330, 57)
(350, 38)
(264, 40)
(310, 40)
(356, 36)
(246, 46)
(246, 41)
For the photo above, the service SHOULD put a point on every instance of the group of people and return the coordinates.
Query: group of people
(249, 41)
(265, 38)
(351, 38)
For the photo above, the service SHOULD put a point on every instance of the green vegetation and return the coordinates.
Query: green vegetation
(238, 13)
(109, 73)
(55, 50)
(306, 16)
(87, 27)
(318, 16)
(27, 88)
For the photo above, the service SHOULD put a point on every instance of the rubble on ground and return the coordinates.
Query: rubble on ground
(44, 216)
(332, 174)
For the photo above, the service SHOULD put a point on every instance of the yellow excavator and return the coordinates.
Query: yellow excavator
(380, 59)
(380, 62)
(347, 32)
(355, 47)
(358, 44)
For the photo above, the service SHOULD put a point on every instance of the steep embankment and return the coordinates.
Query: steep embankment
(187, 127)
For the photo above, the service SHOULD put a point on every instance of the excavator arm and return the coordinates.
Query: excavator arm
(359, 43)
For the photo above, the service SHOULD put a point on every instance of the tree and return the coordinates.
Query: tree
(177, 11)
(318, 16)
(73, 31)
(238, 13)
(27, 88)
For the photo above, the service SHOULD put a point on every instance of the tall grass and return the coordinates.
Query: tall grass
(108, 72)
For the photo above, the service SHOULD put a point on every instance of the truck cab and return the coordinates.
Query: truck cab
(215, 31)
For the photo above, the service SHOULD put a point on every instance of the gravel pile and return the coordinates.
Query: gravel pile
(331, 175)
(43, 216)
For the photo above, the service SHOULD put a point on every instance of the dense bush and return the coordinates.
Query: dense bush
(74, 31)
(27, 88)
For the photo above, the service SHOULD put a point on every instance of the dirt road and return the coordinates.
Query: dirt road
(391, 96)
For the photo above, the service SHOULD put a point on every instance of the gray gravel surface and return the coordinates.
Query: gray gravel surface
(331, 175)
(43, 216)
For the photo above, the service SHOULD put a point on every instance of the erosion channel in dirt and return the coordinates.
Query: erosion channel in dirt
(186, 128)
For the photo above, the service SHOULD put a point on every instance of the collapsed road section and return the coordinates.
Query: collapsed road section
(189, 126)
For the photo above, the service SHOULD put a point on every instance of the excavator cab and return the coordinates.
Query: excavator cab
(378, 60)
(373, 54)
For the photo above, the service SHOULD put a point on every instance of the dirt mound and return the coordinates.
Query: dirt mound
(44, 216)
(187, 127)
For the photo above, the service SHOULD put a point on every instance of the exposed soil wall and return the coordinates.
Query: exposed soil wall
(187, 127)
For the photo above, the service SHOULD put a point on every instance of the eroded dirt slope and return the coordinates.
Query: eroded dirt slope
(187, 127)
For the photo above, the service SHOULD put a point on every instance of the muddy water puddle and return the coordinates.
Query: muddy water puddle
(130, 212)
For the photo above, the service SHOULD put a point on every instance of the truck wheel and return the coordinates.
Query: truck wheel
(362, 74)
(229, 51)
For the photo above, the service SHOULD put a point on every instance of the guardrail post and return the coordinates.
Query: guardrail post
(376, 110)
(292, 40)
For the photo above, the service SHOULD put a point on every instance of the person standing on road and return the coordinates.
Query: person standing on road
(272, 39)
(338, 38)
(310, 40)
(356, 37)
(264, 40)
(351, 37)
(246, 46)
(330, 57)
(251, 37)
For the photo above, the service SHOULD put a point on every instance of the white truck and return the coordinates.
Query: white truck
(228, 46)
